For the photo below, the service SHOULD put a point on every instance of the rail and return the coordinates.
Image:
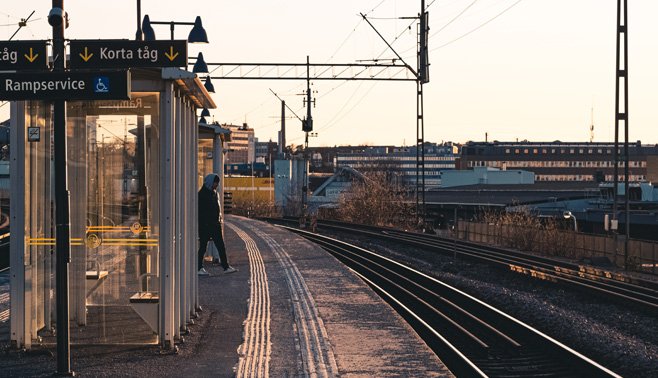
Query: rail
(471, 337)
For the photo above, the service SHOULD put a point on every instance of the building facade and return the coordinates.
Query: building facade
(486, 176)
(266, 152)
(242, 146)
(562, 161)
(402, 161)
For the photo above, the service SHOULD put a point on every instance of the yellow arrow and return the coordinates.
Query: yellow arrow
(86, 56)
(171, 54)
(32, 57)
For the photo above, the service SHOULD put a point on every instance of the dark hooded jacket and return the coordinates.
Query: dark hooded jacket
(209, 214)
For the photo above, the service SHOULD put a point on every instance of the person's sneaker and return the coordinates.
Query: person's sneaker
(203, 272)
(230, 269)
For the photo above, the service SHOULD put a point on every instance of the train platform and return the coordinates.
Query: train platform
(291, 310)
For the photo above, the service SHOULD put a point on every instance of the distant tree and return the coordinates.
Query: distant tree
(378, 199)
(254, 208)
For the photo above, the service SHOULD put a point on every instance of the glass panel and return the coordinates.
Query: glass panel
(39, 227)
(113, 162)
(205, 160)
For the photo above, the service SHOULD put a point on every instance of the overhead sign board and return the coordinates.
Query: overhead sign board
(123, 53)
(99, 85)
(23, 55)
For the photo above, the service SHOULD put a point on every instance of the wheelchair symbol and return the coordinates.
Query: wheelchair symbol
(102, 84)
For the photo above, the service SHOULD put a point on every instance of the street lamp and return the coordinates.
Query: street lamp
(567, 214)
(200, 66)
(204, 113)
(197, 34)
(209, 85)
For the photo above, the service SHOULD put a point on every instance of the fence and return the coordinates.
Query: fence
(642, 255)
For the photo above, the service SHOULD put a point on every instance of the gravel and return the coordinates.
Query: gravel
(620, 338)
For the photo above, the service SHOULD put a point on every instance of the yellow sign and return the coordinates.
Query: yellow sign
(86, 55)
(93, 241)
(136, 228)
(170, 55)
(31, 57)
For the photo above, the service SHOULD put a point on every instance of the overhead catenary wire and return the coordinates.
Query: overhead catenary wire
(338, 114)
(340, 46)
(23, 22)
(478, 27)
(332, 123)
(335, 120)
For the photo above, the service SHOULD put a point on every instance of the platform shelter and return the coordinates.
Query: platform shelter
(132, 179)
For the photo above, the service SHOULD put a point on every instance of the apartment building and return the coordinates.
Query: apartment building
(563, 161)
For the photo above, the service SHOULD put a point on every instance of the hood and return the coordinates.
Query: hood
(208, 180)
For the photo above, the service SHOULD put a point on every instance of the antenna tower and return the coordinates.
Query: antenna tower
(591, 128)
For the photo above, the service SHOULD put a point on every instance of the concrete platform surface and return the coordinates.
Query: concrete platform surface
(291, 310)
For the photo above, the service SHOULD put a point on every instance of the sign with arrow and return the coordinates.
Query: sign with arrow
(23, 55)
(92, 85)
(122, 53)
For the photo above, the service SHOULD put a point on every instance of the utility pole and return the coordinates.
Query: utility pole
(307, 126)
(422, 78)
(622, 116)
(282, 133)
(353, 71)
(58, 19)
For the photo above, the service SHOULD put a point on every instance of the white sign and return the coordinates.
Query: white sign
(33, 134)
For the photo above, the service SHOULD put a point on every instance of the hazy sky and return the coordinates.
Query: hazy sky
(528, 69)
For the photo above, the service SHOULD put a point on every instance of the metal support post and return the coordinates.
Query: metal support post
(308, 127)
(282, 138)
(420, 157)
(622, 74)
(139, 35)
(57, 19)
(422, 76)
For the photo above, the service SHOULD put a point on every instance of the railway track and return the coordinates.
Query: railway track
(471, 337)
(615, 286)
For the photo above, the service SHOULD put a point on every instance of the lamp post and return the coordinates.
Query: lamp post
(197, 34)
(567, 215)
(58, 19)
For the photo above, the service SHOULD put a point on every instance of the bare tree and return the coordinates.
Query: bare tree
(377, 199)
(254, 208)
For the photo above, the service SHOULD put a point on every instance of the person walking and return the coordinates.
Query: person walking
(210, 226)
